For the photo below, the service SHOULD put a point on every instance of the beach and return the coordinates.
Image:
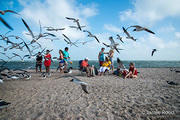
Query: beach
(110, 97)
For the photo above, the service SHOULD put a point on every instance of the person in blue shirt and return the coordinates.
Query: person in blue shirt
(101, 56)
(66, 57)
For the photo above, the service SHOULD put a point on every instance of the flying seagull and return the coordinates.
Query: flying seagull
(128, 35)
(76, 21)
(113, 44)
(26, 25)
(139, 28)
(68, 41)
(5, 23)
(83, 84)
(76, 27)
(2, 12)
(91, 35)
(120, 38)
(153, 50)
(53, 29)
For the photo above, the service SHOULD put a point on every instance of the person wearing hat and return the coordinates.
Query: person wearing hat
(39, 61)
(47, 61)
(105, 66)
(86, 67)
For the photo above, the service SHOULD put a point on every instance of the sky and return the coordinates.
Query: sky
(104, 18)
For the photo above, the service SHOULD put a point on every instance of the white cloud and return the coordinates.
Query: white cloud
(151, 11)
(177, 34)
(112, 28)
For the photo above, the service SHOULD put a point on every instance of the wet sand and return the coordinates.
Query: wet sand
(110, 97)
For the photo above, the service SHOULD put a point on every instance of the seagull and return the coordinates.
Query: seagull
(113, 45)
(17, 56)
(120, 38)
(3, 104)
(75, 20)
(2, 12)
(77, 27)
(172, 83)
(54, 29)
(28, 48)
(68, 41)
(83, 84)
(121, 65)
(91, 35)
(153, 50)
(26, 25)
(139, 28)
(5, 23)
(128, 35)
(84, 42)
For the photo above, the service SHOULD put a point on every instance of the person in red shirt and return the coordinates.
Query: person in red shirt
(132, 71)
(47, 61)
(86, 67)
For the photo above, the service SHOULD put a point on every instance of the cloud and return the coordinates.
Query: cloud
(112, 28)
(177, 34)
(151, 11)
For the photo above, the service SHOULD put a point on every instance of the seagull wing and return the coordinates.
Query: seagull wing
(125, 31)
(147, 30)
(28, 28)
(84, 88)
(96, 38)
(11, 11)
(70, 18)
(66, 37)
(106, 45)
(5, 23)
(78, 24)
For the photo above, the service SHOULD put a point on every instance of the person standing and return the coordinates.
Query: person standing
(61, 61)
(39, 62)
(66, 57)
(110, 55)
(101, 56)
(47, 62)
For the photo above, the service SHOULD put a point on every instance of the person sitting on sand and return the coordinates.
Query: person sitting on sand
(47, 62)
(39, 61)
(61, 61)
(105, 66)
(101, 56)
(86, 67)
(132, 71)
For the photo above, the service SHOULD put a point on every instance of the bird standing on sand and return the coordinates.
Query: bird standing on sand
(154, 50)
(171, 83)
(139, 28)
(83, 84)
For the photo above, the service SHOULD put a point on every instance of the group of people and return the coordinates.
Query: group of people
(63, 60)
(105, 62)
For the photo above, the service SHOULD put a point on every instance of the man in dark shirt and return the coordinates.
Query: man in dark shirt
(38, 61)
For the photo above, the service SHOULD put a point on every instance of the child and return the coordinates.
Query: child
(61, 61)
(105, 66)
(47, 62)
(132, 71)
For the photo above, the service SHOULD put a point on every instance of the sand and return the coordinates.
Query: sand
(110, 97)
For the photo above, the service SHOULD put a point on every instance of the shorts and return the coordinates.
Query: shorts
(61, 61)
(38, 64)
(103, 69)
(100, 63)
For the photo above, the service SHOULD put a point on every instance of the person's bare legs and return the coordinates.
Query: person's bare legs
(40, 68)
(36, 69)
(128, 75)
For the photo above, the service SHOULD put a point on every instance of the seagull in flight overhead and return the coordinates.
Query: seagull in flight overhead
(140, 28)
(128, 35)
(54, 29)
(28, 28)
(120, 38)
(2, 12)
(153, 50)
(113, 44)
(5, 23)
(68, 41)
(83, 84)
(77, 27)
(91, 35)
(76, 21)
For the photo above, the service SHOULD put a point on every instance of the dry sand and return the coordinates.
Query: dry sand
(110, 97)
